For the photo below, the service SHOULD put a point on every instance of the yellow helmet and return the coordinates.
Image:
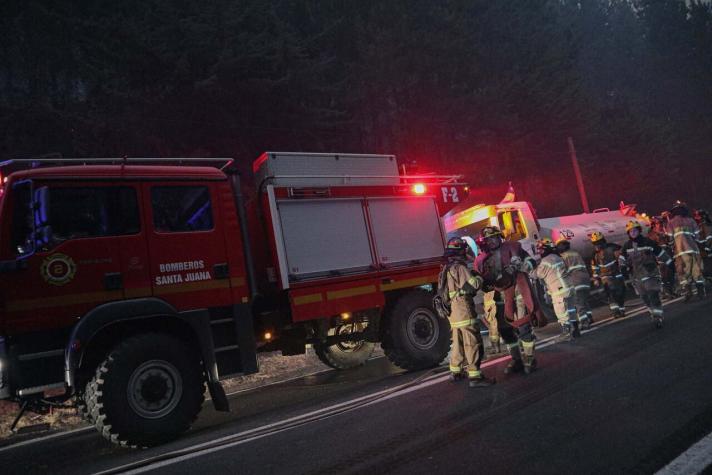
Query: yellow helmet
(632, 224)
(597, 236)
(490, 231)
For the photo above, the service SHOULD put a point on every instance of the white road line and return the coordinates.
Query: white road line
(46, 437)
(691, 462)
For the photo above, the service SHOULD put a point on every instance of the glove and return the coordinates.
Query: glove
(597, 282)
(516, 262)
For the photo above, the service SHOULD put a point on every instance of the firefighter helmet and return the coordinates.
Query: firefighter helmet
(562, 244)
(679, 208)
(545, 245)
(490, 238)
(632, 224)
(597, 238)
(490, 231)
(456, 247)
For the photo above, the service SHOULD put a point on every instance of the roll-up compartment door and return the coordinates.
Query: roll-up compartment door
(406, 229)
(324, 237)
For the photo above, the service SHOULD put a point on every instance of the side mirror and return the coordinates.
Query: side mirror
(41, 206)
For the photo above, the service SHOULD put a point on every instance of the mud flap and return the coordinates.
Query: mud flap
(217, 394)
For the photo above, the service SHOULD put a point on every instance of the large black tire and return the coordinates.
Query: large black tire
(82, 401)
(147, 391)
(416, 337)
(345, 355)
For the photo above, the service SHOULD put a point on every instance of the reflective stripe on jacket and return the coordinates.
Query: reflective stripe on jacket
(552, 270)
(576, 268)
(462, 303)
(605, 262)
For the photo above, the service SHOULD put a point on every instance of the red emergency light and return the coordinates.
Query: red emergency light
(419, 189)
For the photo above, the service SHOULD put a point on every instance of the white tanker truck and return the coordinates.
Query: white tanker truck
(518, 221)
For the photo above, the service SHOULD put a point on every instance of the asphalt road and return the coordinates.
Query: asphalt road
(625, 398)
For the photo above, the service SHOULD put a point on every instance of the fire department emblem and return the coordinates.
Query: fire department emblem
(58, 269)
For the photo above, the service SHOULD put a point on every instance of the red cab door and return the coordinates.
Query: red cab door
(79, 263)
(188, 259)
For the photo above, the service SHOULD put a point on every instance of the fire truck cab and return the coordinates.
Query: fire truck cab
(130, 285)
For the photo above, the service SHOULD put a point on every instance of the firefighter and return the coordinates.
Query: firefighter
(702, 218)
(705, 240)
(684, 233)
(641, 256)
(580, 279)
(607, 272)
(658, 235)
(552, 271)
(504, 266)
(462, 284)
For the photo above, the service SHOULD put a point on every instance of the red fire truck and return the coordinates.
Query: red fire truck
(132, 284)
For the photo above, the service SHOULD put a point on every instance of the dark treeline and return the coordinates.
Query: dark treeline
(486, 88)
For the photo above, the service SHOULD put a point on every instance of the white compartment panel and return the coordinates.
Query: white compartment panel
(324, 236)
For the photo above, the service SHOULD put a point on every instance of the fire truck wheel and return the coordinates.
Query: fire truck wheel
(416, 337)
(147, 391)
(83, 401)
(345, 354)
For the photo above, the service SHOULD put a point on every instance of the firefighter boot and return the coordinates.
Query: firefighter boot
(569, 331)
(456, 374)
(528, 356)
(701, 291)
(686, 291)
(495, 347)
(516, 365)
(585, 321)
(478, 380)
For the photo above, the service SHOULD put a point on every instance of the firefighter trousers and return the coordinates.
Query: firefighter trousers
(648, 288)
(583, 309)
(688, 268)
(489, 315)
(651, 299)
(467, 350)
(615, 289)
(519, 340)
(565, 308)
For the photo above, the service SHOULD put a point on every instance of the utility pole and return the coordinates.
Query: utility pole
(579, 179)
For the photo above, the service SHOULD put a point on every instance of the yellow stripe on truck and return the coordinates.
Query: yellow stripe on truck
(64, 300)
(401, 284)
(305, 299)
(352, 292)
